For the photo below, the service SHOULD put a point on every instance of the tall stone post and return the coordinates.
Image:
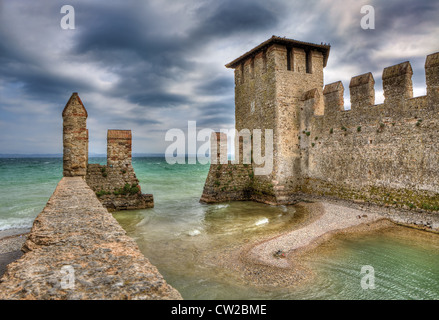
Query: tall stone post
(75, 138)
(119, 144)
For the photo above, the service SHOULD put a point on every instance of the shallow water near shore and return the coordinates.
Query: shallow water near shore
(181, 236)
(405, 261)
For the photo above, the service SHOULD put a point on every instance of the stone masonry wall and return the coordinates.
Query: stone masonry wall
(267, 93)
(76, 236)
(291, 85)
(116, 184)
(227, 181)
(386, 154)
(255, 99)
(117, 188)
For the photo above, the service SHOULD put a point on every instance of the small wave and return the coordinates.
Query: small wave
(194, 232)
(222, 206)
(143, 222)
(15, 224)
(261, 221)
(25, 212)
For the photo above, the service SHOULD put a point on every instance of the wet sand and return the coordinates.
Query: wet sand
(11, 242)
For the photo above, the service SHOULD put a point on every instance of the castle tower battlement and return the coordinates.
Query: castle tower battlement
(381, 153)
(270, 82)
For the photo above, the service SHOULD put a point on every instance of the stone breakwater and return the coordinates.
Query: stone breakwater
(76, 232)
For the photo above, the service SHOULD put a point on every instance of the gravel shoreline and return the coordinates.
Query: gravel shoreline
(257, 263)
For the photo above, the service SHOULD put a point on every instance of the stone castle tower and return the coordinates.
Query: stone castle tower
(115, 184)
(380, 153)
(270, 81)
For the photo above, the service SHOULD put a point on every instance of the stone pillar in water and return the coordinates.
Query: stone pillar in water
(75, 138)
(119, 144)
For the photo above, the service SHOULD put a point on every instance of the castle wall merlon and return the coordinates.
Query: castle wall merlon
(397, 84)
(362, 91)
(333, 98)
(432, 77)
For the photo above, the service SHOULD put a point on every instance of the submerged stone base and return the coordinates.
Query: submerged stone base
(77, 250)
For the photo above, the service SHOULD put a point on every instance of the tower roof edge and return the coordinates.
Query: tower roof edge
(324, 48)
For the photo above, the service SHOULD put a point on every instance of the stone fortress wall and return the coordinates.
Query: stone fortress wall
(115, 183)
(385, 154)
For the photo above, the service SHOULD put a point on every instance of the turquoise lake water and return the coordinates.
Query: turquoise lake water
(179, 233)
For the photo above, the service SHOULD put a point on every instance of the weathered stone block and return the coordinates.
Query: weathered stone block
(362, 91)
(397, 84)
(333, 98)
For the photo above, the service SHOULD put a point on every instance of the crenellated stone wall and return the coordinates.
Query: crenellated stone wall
(385, 154)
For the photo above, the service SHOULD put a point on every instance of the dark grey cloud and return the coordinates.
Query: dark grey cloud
(219, 85)
(152, 66)
(228, 18)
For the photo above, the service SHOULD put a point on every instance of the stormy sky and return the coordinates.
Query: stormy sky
(153, 65)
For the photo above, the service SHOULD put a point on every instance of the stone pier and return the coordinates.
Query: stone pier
(77, 250)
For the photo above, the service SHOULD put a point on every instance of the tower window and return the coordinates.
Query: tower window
(308, 62)
(289, 59)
